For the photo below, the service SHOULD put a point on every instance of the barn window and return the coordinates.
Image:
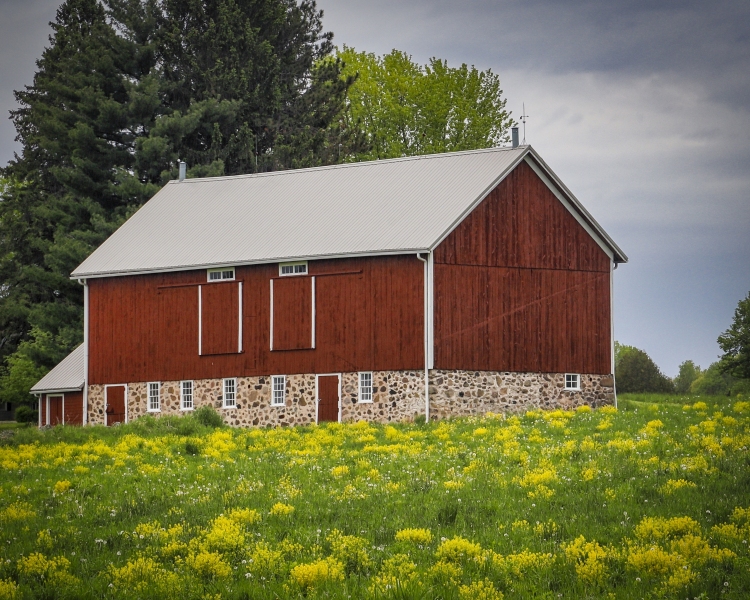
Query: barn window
(8, 406)
(224, 274)
(230, 393)
(295, 268)
(186, 395)
(572, 381)
(154, 401)
(365, 387)
(279, 390)
(292, 313)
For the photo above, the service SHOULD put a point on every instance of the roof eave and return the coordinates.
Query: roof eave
(244, 263)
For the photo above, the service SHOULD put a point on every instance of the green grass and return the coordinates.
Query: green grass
(5, 425)
(661, 398)
(648, 501)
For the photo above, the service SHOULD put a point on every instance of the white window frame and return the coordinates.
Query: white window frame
(223, 271)
(225, 392)
(149, 388)
(274, 395)
(575, 382)
(184, 395)
(365, 395)
(296, 268)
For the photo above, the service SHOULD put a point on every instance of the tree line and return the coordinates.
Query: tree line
(635, 371)
(128, 88)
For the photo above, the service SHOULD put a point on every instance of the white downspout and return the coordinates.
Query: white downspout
(613, 266)
(84, 283)
(426, 340)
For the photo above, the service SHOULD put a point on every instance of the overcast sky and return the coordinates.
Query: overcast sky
(642, 108)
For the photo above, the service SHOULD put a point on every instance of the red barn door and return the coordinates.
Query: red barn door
(115, 404)
(55, 410)
(328, 398)
(73, 408)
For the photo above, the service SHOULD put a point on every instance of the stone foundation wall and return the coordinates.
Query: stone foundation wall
(464, 393)
(397, 396)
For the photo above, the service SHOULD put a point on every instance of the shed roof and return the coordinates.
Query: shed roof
(378, 207)
(67, 376)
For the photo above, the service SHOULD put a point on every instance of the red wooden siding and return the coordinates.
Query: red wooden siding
(522, 224)
(219, 318)
(369, 316)
(73, 408)
(292, 313)
(521, 286)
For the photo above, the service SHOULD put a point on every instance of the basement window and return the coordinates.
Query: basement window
(154, 401)
(293, 268)
(186, 395)
(278, 383)
(224, 274)
(365, 388)
(572, 381)
(230, 393)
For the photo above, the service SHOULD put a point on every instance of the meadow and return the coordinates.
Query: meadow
(650, 500)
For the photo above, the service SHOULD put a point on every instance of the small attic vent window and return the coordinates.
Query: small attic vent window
(221, 274)
(297, 268)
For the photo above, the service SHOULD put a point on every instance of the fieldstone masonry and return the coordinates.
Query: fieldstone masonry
(397, 396)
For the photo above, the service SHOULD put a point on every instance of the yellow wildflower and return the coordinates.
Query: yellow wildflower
(280, 509)
(310, 575)
(415, 536)
(480, 590)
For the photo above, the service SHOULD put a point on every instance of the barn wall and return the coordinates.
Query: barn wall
(369, 316)
(520, 286)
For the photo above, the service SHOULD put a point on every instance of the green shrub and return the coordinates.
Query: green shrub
(192, 448)
(207, 416)
(636, 372)
(26, 414)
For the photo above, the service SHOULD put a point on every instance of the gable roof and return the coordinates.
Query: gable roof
(67, 376)
(392, 206)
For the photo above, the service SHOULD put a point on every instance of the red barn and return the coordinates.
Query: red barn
(452, 284)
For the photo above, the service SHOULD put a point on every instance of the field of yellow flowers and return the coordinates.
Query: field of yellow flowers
(648, 501)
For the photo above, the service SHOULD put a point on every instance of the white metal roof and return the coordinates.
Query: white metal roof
(378, 207)
(67, 376)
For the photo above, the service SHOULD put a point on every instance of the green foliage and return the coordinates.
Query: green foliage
(713, 382)
(208, 416)
(688, 373)
(407, 109)
(636, 372)
(26, 414)
(735, 343)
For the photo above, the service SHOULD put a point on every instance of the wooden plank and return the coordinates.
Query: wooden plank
(521, 320)
(219, 318)
(328, 398)
(114, 404)
(292, 313)
(368, 317)
(73, 408)
(521, 223)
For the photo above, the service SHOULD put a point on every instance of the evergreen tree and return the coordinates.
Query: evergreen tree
(735, 343)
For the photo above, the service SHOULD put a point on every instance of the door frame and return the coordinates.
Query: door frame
(109, 385)
(317, 399)
(62, 406)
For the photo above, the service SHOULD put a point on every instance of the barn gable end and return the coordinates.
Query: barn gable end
(520, 285)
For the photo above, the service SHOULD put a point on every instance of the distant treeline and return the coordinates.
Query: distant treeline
(635, 371)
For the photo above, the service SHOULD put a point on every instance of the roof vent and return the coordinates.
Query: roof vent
(513, 137)
(183, 166)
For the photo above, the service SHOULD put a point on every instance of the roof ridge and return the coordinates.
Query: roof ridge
(351, 164)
